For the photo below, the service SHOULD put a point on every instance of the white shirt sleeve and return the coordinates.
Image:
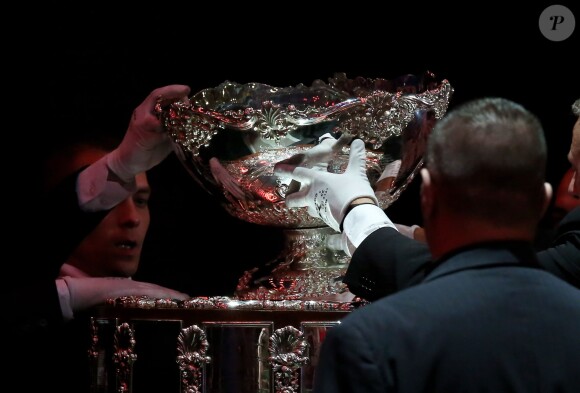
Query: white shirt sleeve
(360, 222)
(64, 299)
(96, 192)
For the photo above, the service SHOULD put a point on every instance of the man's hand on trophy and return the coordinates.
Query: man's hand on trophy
(86, 292)
(316, 157)
(329, 195)
(145, 143)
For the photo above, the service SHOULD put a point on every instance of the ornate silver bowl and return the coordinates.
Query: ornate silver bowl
(230, 137)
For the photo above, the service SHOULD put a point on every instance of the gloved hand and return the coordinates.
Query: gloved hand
(316, 157)
(145, 143)
(328, 195)
(86, 292)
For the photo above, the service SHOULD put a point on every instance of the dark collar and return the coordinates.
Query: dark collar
(485, 255)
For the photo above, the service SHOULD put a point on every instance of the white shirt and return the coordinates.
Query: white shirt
(95, 192)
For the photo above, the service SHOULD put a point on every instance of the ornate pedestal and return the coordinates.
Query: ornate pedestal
(209, 345)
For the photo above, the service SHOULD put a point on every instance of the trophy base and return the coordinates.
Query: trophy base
(139, 344)
(306, 269)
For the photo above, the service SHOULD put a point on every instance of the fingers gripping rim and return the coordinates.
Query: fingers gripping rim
(357, 157)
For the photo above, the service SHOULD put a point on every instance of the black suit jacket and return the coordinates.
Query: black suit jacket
(46, 231)
(482, 321)
(386, 261)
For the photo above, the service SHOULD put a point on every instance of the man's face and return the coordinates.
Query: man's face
(114, 247)
(574, 158)
(564, 200)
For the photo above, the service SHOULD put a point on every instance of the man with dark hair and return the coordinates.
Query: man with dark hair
(39, 304)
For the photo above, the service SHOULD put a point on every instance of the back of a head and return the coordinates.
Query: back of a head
(489, 157)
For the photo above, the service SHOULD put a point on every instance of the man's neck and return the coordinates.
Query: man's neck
(444, 239)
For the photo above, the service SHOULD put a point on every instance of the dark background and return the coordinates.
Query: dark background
(85, 68)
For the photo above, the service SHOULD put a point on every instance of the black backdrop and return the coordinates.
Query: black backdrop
(84, 68)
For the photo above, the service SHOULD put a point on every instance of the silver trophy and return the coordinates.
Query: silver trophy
(229, 138)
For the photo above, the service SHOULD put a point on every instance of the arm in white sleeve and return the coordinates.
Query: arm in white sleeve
(360, 222)
(81, 293)
(110, 180)
(99, 189)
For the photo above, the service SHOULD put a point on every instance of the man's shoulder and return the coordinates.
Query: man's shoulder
(570, 224)
(396, 305)
(572, 218)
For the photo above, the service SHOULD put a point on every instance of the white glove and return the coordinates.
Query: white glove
(328, 195)
(316, 157)
(145, 143)
(86, 292)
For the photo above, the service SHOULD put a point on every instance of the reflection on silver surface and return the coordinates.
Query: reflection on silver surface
(220, 345)
(192, 346)
(124, 356)
(230, 137)
(238, 362)
(233, 304)
(314, 333)
(288, 352)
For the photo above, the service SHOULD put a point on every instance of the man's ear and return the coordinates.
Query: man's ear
(574, 186)
(548, 192)
(426, 193)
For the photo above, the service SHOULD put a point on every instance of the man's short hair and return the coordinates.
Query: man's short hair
(489, 155)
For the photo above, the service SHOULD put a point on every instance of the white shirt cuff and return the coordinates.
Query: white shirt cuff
(64, 299)
(360, 222)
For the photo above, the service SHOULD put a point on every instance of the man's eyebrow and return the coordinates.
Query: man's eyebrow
(143, 190)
